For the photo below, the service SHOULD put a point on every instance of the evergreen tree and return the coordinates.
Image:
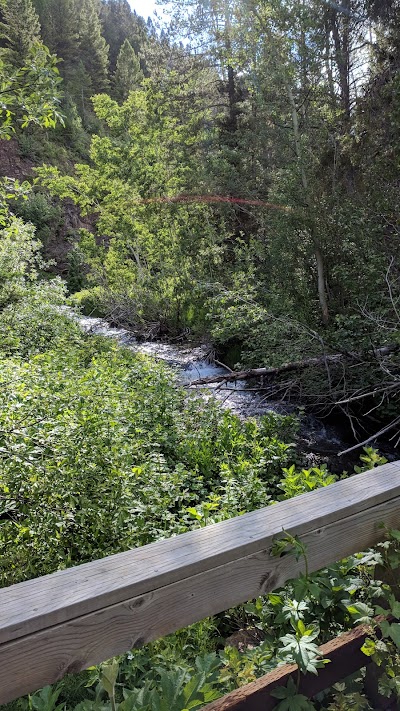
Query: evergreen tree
(20, 29)
(128, 75)
(58, 19)
(93, 48)
(41, 7)
(120, 23)
(79, 90)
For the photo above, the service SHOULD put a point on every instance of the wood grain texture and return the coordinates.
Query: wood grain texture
(344, 518)
(67, 594)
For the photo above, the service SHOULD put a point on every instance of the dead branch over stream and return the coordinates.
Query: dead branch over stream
(319, 361)
(375, 356)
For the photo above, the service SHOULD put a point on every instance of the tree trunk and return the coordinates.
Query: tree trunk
(342, 55)
(321, 284)
(233, 125)
(319, 258)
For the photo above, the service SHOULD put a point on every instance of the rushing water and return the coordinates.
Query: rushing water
(191, 364)
(319, 441)
(316, 437)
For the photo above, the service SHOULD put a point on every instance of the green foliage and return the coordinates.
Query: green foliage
(154, 256)
(76, 278)
(295, 483)
(291, 700)
(93, 49)
(370, 460)
(90, 301)
(120, 24)
(19, 260)
(30, 93)
(42, 212)
(269, 125)
(128, 75)
(46, 699)
(110, 454)
(300, 648)
(20, 29)
(72, 134)
(345, 697)
(176, 693)
(100, 451)
(59, 21)
(34, 323)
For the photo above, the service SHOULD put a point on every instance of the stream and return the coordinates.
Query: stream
(190, 364)
(319, 441)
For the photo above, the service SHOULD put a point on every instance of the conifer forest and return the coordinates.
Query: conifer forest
(199, 313)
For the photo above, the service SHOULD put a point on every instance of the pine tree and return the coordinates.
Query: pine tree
(93, 48)
(20, 29)
(58, 19)
(120, 23)
(128, 75)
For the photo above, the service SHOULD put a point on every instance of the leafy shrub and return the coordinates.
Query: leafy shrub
(90, 301)
(100, 452)
(36, 323)
(72, 132)
(19, 260)
(38, 147)
(42, 212)
(76, 277)
(300, 482)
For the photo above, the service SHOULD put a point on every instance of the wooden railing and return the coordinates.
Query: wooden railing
(345, 658)
(72, 619)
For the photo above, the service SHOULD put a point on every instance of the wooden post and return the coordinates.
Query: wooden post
(72, 619)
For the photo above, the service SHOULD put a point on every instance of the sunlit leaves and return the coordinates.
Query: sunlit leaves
(30, 94)
(300, 647)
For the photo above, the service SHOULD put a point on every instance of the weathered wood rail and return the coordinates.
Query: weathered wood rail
(344, 653)
(71, 619)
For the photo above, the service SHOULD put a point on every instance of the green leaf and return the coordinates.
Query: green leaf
(393, 631)
(274, 599)
(360, 611)
(369, 647)
(109, 677)
(290, 699)
(394, 606)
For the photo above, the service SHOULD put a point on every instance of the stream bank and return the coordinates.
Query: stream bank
(319, 442)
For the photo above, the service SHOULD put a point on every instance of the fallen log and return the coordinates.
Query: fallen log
(318, 361)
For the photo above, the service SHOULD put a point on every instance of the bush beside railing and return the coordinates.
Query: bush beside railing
(69, 620)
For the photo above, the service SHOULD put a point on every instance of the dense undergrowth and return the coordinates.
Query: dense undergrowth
(100, 452)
